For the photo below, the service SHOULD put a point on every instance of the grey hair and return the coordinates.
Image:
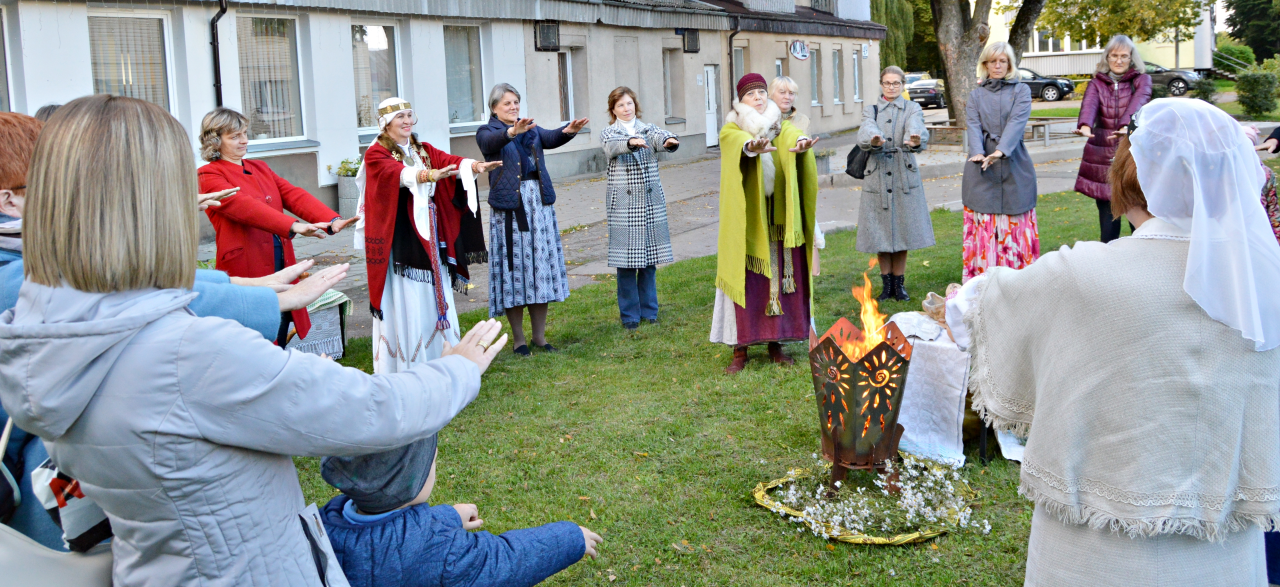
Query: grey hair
(783, 80)
(895, 70)
(215, 124)
(990, 52)
(1121, 42)
(500, 90)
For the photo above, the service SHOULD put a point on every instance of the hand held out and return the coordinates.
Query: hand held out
(478, 345)
(470, 516)
(310, 289)
(877, 140)
(591, 540)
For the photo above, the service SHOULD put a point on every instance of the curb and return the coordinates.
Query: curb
(955, 168)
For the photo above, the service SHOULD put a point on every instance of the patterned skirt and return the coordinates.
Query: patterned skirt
(999, 240)
(534, 273)
(1269, 201)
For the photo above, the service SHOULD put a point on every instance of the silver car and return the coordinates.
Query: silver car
(1177, 80)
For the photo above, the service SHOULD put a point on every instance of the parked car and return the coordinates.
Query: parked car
(1177, 80)
(929, 92)
(1051, 89)
(912, 77)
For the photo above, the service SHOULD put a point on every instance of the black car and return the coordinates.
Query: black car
(1051, 89)
(1177, 80)
(928, 92)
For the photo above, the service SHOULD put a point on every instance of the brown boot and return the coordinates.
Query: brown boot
(776, 354)
(739, 361)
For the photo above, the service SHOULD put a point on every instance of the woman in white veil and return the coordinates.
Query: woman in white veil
(1144, 372)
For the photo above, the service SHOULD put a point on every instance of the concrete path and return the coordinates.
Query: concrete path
(692, 190)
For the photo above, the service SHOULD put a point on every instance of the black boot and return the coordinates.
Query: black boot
(900, 288)
(887, 290)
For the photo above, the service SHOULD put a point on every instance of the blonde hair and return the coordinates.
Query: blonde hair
(990, 52)
(781, 81)
(111, 202)
(216, 123)
(1119, 42)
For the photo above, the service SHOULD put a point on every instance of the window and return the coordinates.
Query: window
(837, 63)
(777, 68)
(673, 84)
(374, 50)
(269, 85)
(566, 85)
(1047, 43)
(128, 58)
(668, 99)
(739, 63)
(463, 74)
(857, 73)
(815, 80)
(4, 71)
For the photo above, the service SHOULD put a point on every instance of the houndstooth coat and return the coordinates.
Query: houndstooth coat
(635, 203)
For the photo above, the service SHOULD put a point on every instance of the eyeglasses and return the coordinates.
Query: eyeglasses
(891, 84)
(1118, 57)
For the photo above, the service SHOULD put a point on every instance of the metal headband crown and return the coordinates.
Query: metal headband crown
(385, 110)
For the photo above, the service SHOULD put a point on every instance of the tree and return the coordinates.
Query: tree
(897, 16)
(1257, 24)
(1024, 24)
(962, 31)
(922, 51)
(1141, 21)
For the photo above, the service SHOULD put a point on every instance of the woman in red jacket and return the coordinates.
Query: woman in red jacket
(254, 233)
(1118, 89)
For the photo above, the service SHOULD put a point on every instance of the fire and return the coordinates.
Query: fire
(872, 320)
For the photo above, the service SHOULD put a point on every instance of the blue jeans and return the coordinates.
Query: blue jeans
(638, 294)
(30, 519)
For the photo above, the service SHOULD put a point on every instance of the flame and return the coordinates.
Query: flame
(872, 320)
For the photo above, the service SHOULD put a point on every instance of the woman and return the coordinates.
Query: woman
(637, 208)
(894, 217)
(999, 188)
(196, 474)
(768, 195)
(1118, 89)
(254, 234)
(526, 267)
(783, 90)
(1151, 452)
(406, 190)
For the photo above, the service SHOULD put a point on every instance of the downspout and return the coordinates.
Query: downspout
(737, 28)
(217, 58)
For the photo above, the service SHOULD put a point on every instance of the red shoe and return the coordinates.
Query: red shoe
(779, 357)
(739, 361)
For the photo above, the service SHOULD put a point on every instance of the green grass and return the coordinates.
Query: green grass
(643, 438)
(1056, 112)
(1225, 85)
(1234, 109)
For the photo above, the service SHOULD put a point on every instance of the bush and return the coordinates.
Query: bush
(346, 168)
(1273, 66)
(1257, 93)
(1240, 52)
(1205, 89)
(1081, 86)
(1159, 91)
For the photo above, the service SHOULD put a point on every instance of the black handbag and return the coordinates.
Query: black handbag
(856, 164)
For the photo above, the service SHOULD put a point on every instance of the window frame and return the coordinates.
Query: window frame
(668, 100)
(302, 76)
(837, 81)
(166, 31)
(857, 73)
(465, 128)
(363, 130)
(815, 73)
(8, 65)
(777, 67)
(739, 63)
(566, 98)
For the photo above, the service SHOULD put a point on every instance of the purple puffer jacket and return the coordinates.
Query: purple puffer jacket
(1106, 108)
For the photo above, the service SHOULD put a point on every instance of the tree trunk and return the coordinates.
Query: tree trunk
(962, 33)
(1023, 25)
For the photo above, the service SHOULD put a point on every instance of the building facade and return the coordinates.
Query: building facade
(310, 73)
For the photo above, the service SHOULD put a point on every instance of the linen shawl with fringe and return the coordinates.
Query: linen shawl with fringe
(1142, 413)
(746, 224)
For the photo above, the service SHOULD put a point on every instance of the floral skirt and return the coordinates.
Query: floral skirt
(1269, 201)
(999, 240)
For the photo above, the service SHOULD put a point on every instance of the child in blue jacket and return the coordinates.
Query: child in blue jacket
(384, 532)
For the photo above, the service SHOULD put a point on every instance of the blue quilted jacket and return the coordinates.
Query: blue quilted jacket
(424, 546)
(504, 182)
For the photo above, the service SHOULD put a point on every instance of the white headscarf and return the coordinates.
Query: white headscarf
(1199, 172)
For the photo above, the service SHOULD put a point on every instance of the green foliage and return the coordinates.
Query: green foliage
(898, 16)
(1102, 19)
(922, 51)
(1257, 24)
(1257, 93)
(1270, 66)
(1159, 91)
(1236, 52)
(346, 168)
(1205, 89)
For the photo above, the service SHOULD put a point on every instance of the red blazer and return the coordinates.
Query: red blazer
(246, 221)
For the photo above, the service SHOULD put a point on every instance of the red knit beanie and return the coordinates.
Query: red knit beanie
(751, 81)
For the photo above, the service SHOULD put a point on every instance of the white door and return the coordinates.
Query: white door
(710, 86)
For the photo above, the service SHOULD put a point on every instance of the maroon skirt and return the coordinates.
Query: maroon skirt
(754, 327)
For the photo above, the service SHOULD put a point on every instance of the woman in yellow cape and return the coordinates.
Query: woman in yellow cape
(768, 194)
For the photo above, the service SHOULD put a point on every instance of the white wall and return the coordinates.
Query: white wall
(503, 51)
(49, 54)
(423, 79)
(327, 81)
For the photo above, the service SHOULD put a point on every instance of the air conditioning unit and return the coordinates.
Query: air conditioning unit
(691, 42)
(546, 35)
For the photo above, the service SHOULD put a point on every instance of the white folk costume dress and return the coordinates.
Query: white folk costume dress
(1152, 453)
(415, 312)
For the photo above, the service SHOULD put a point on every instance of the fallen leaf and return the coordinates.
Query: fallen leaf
(584, 498)
(593, 513)
(684, 542)
(657, 561)
(926, 263)
(613, 578)
(641, 454)
(830, 547)
(933, 546)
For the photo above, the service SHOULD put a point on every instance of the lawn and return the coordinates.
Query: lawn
(1056, 113)
(1234, 109)
(643, 438)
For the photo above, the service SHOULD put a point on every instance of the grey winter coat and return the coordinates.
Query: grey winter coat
(182, 428)
(996, 117)
(634, 201)
(894, 215)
